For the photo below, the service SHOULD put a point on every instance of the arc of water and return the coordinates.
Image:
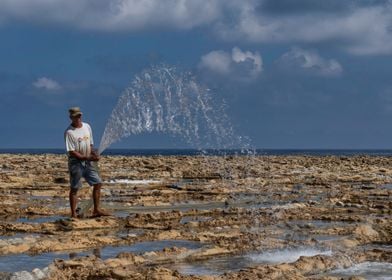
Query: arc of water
(164, 100)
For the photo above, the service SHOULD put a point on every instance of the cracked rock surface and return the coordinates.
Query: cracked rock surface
(198, 217)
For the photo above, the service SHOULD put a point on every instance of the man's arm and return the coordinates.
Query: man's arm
(77, 155)
(94, 154)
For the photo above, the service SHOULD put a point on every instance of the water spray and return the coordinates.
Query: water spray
(164, 100)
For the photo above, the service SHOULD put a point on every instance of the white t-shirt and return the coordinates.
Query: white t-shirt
(79, 139)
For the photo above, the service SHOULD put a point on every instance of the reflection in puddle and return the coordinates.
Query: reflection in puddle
(247, 204)
(378, 246)
(368, 270)
(139, 248)
(294, 236)
(17, 238)
(220, 265)
(121, 214)
(318, 223)
(214, 266)
(132, 182)
(387, 186)
(130, 233)
(327, 237)
(40, 219)
(19, 262)
(165, 208)
(286, 255)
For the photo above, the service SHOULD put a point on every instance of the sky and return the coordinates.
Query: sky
(295, 74)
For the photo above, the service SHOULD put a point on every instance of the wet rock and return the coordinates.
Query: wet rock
(5, 275)
(121, 273)
(332, 188)
(365, 233)
(38, 273)
(22, 275)
(73, 264)
(171, 234)
(349, 243)
(339, 203)
(162, 274)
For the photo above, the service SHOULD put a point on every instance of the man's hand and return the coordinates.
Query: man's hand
(77, 155)
(94, 156)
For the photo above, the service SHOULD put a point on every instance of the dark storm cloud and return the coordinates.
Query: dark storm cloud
(313, 6)
(360, 28)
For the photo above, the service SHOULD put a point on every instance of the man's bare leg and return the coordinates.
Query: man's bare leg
(73, 198)
(97, 201)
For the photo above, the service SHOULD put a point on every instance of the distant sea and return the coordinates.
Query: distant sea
(192, 152)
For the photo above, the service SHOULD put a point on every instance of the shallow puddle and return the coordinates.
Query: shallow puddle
(149, 246)
(123, 211)
(19, 262)
(378, 246)
(166, 208)
(214, 266)
(220, 265)
(132, 182)
(17, 237)
(318, 223)
(387, 186)
(40, 219)
(138, 248)
(327, 237)
(295, 236)
(130, 233)
(367, 270)
(286, 255)
(11, 235)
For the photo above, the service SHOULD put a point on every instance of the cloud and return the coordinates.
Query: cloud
(47, 84)
(72, 92)
(238, 64)
(107, 15)
(216, 61)
(360, 27)
(311, 62)
(311, 6)
(360, 30)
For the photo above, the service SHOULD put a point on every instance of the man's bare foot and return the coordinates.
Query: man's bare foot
(100, 213)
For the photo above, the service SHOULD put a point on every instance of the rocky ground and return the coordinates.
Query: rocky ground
(183, 217)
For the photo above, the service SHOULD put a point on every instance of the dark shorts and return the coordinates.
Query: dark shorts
(79, 169)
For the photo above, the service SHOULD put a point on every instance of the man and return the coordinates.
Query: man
(81, 155)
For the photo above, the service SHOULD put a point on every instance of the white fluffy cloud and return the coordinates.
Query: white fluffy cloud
(47, 84)
(311, 62)
(239, 64)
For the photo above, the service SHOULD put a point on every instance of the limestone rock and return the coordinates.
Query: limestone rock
(365, 233)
